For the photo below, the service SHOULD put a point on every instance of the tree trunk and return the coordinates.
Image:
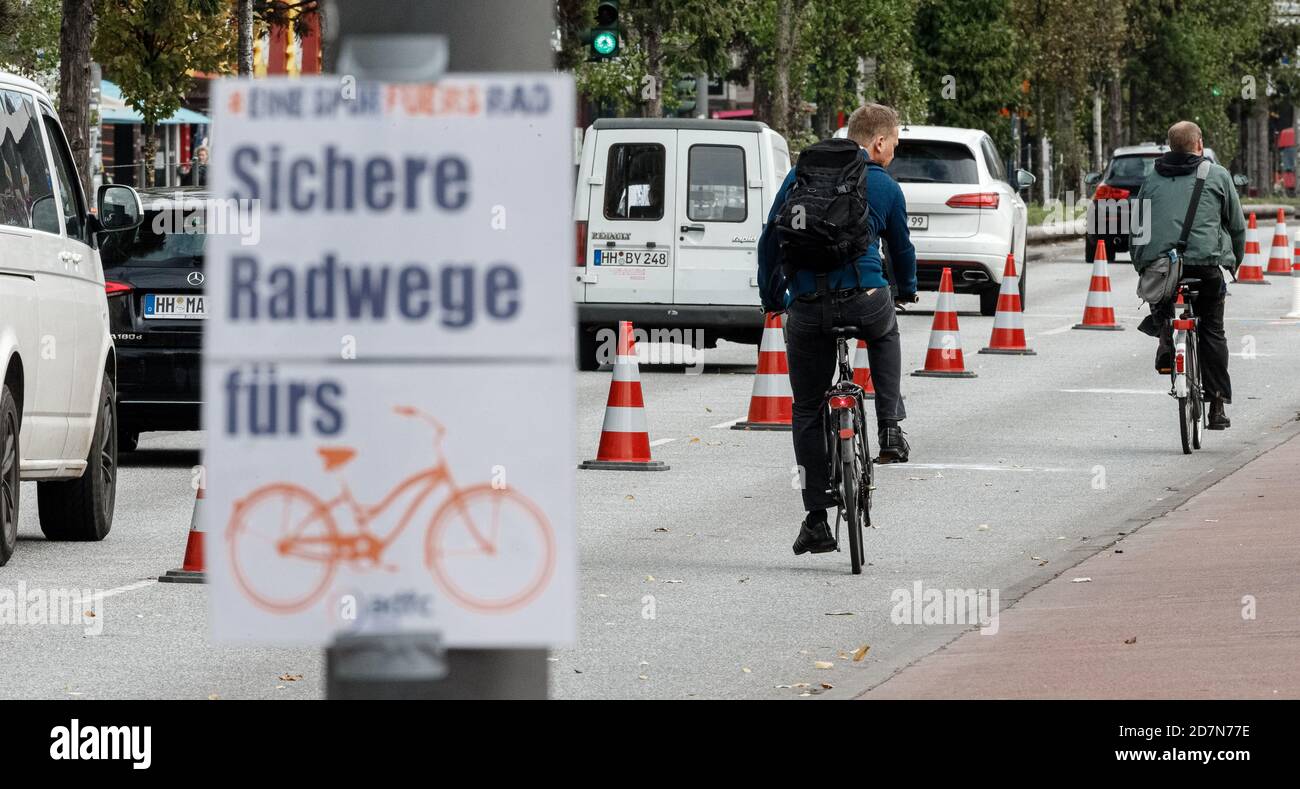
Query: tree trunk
(1116, 110)
(1097, 152)
(780, 119)
(75, 37)
(653, 106)
(1263, 171)
(150, 151)
(245, 38)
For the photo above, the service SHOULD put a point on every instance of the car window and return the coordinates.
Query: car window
(634, 181)
(164, 238)
(74, 207)
(992, 160)
(1131, 167)
(932, 161)
(26, 195)
(716, 174)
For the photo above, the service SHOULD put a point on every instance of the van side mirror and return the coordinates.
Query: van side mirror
(1092, 179)
(118, 208)
(1240, 180)
(1024, 179)
(45, 214)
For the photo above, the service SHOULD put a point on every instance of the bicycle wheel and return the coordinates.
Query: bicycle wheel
(283, 547)
(851, 490)
(491, 549)
(1194, 390)
(1185, 420)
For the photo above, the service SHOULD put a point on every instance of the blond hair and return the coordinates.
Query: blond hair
(871, 121)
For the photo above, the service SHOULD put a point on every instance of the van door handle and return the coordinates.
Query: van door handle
(696, 228)
(65, 257)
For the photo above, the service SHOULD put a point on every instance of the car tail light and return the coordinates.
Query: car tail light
(1105, 192)
(582, 245)
(840, 402)
(974, 200)
(112, 288)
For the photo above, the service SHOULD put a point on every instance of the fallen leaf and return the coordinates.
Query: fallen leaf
(823, 664)
(672, 580)
(714, 443)
(828, 686)
(746, 670)
(643, 676)
(1132, 640)
(742, 580)
(90, 614)
(801, 685)
(649, 577)
(1083, 580)
(861, 653)
(629, 497)
(983, 527)
(289, 677)
(706, 408)
(954, 538)
(839, 613)
(1036, 558)
(694, 440)
(662, 528)
(1119, 550)
(279, 687)
(213, 697)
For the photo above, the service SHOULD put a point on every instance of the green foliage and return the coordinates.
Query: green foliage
(29, 36)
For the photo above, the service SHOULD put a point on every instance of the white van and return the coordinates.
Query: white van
(57, 369)
(669, 213)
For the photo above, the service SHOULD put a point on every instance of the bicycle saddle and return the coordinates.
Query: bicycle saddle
(335, 457)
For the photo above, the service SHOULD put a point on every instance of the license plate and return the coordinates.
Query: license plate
(160, 305)
(631, 257)
(918, 221)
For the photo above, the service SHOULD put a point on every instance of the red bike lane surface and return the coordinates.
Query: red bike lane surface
(1199, 603)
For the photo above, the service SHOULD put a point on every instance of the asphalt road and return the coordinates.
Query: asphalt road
(688, 586)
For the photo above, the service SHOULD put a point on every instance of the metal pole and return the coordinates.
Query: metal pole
(418, 40)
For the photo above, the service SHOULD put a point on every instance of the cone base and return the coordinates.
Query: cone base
(945, 373)
(763, 426)
(182, 577)
(1113, 327)
(1252, 282)
(1011, 351)
(623, 465)
(1277, 273)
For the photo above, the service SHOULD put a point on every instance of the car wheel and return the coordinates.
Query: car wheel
(1024, 270)
(8, 475)
(82, 509)
(587, 349)
(989, 301)
(128, 440)
(1089, 249)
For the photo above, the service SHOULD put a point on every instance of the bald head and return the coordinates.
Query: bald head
(1185, 137)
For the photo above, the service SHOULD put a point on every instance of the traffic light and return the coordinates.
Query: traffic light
(604, 38)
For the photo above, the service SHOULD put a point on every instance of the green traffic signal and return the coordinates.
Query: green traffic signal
(604, 36)
(605, 44)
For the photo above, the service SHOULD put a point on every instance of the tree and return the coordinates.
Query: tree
(74, 82)
(244, 22)
(29, 36)
(150, 46)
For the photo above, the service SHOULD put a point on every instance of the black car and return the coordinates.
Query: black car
(1109, 215)
(154, 280)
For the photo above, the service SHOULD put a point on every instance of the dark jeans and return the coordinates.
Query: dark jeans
(1210, 336)
(810, 353)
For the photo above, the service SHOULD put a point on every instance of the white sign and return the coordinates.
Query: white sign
(388, 388)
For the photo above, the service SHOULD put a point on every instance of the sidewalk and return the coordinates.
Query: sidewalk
(1176, 585)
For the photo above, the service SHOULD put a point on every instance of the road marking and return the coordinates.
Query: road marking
(725, 425)
(1116, 391)
(1057, 330)
(660, 442)
(129, 587)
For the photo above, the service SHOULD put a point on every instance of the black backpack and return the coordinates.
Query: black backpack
(823, 224)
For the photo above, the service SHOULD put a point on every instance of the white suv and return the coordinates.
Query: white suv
(57, 407)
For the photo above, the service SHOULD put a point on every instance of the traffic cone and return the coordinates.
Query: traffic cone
(1279, 261)
(1008, 321)
(862, 371)
(624, 442)
(1250, 272)
(1097, 312)
(191, 571)
(944, 358)
(771, 402)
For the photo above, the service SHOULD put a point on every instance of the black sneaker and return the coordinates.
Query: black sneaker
(814, 535)
(1218, 418)
(1164, 359)
(893, 447)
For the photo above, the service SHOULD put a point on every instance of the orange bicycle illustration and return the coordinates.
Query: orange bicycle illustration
(490, 549)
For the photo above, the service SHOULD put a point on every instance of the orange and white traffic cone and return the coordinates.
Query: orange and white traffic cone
(191, 570)
(862, 371)
(1097, 312)
(1250, 272)
(1279, 259)
(624, 440)
(771, 402)
(1008, 321)
(944, 358)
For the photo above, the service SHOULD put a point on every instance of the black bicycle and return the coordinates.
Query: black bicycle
(852, 474)
(1185, 372)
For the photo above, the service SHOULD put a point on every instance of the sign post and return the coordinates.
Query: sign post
(379, 351)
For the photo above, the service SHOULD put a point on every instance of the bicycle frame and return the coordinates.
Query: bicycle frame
(1183, 325)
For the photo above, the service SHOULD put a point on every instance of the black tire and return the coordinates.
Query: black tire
(1024, 270)
(989, 301)
(1089, 248)
(587, 347)
(128, 439)
(9, 487)
(852, 483)
(1194, 390)
(1185, 419)
(82, 509)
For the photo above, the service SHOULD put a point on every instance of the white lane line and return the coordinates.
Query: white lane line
(972, 467)
(660, 442)
(129, 587)
(725, 425)
(1245, 355)
(1057, 330)
(1116, 391)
